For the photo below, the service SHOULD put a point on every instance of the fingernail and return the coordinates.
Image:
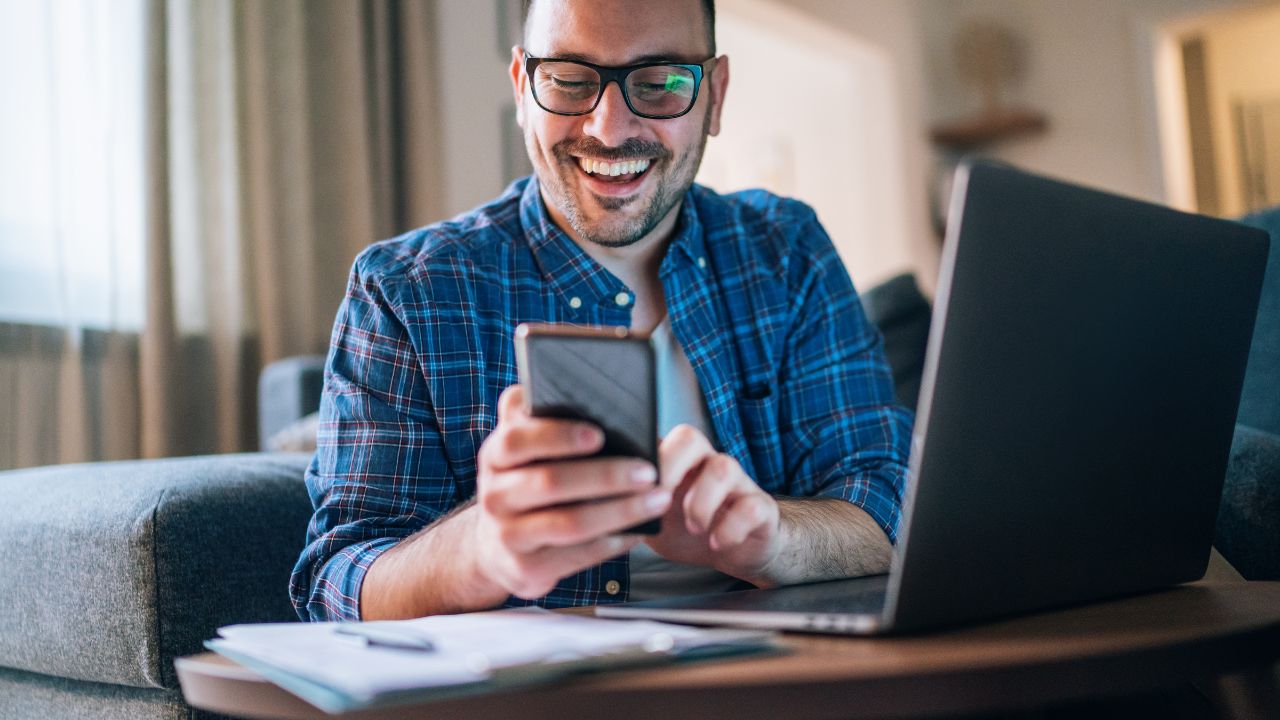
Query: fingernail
(588, 436)
(657, 500)
(644, 475)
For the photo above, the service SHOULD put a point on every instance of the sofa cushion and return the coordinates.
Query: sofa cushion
(1248, 530)
(297, 436)
(1259, 406)
(29, 695)
(110, 570)
(901, 312)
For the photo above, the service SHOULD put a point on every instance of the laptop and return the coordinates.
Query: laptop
(1080, 390)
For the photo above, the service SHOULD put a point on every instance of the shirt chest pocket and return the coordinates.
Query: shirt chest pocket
(758, 411)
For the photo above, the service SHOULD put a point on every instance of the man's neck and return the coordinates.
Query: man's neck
(638, 262)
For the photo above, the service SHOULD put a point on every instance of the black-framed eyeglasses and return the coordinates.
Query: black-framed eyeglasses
(658, 91)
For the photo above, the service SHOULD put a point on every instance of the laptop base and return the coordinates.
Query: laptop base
(844, 607)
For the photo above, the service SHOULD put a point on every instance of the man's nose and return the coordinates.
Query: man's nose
(612, 122)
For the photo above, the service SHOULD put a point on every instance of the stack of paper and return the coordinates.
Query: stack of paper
(326, 665)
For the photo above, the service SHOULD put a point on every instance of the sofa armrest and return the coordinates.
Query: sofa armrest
(1248, 531)
(111, 570)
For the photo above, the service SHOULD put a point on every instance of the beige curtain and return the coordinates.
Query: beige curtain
(282, 137)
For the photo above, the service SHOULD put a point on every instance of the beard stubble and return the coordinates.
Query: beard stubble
(671, 187)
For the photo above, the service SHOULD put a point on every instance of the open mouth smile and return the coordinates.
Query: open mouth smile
(605, 177)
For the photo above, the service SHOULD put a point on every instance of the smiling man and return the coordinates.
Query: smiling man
(783, 455)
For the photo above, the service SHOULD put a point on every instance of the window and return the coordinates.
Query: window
(72, 190)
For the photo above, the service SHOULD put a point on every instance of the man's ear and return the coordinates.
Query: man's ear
(518, 79)
(719, 86)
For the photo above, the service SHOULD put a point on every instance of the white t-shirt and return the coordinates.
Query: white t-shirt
(679, 402)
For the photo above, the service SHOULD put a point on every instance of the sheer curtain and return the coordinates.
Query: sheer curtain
(194, 216)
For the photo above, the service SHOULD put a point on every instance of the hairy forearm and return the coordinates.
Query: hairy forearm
(825, 539)
(432, 572)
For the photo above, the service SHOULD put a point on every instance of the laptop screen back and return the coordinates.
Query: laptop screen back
(1080, 391)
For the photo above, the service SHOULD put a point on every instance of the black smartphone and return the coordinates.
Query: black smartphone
(601, 375)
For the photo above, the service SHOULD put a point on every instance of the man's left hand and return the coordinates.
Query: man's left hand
(718, 517)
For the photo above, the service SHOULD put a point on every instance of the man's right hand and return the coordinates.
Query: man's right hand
(540, 515)
(543, 515)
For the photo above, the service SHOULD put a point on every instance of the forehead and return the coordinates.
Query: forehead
(617, 32)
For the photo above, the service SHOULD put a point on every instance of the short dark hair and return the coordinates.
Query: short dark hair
(708, 20)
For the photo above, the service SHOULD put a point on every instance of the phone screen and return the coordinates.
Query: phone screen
(604, 376)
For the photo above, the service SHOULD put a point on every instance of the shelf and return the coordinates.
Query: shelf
(988, 129)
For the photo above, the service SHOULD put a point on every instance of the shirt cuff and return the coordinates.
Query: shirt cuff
(874, 493)
(335, 591)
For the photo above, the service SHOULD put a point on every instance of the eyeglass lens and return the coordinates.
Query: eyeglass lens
(655, 90)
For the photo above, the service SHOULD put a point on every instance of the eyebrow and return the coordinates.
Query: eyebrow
(650, 58)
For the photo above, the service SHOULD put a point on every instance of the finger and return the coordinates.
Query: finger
(555, 483)
(746, 514)
(716, 478)
(521, 440)
(512, 402)
(582, 522)
(538, 572)
(680, 452)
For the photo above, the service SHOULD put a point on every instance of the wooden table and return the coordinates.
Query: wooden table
(1205, 631)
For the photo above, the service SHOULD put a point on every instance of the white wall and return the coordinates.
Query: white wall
(1089, 70)
(474, 86)
(815, 113)
(895, 29)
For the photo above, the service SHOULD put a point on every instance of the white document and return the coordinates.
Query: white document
(471, 652)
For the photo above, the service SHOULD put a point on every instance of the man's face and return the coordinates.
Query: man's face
(573, 155)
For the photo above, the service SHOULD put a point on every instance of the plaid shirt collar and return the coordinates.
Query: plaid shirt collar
(570, 271)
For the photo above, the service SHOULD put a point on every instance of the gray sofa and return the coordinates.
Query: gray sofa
(1248, 532)
(111, 570)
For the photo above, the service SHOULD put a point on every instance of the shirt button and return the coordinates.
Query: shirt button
(702, 262)
(613, 587)
(575, 302)
(622, 299)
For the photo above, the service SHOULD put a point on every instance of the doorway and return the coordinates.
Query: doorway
(1218, 97)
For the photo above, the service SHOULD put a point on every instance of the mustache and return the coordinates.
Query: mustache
(631, 149)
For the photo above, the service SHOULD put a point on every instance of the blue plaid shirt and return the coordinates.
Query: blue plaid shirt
(792, 373)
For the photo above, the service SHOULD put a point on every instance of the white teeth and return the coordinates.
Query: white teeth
(600, 167)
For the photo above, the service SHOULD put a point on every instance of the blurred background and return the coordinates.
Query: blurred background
(184, 183)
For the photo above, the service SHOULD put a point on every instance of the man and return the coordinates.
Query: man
(435, 492)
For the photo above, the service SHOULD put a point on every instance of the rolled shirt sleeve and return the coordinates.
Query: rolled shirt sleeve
(379, 473)
(844, 436)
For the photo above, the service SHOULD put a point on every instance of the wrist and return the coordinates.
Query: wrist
(766, 573)
(433, 572)
(768, 567)
(475, 584)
